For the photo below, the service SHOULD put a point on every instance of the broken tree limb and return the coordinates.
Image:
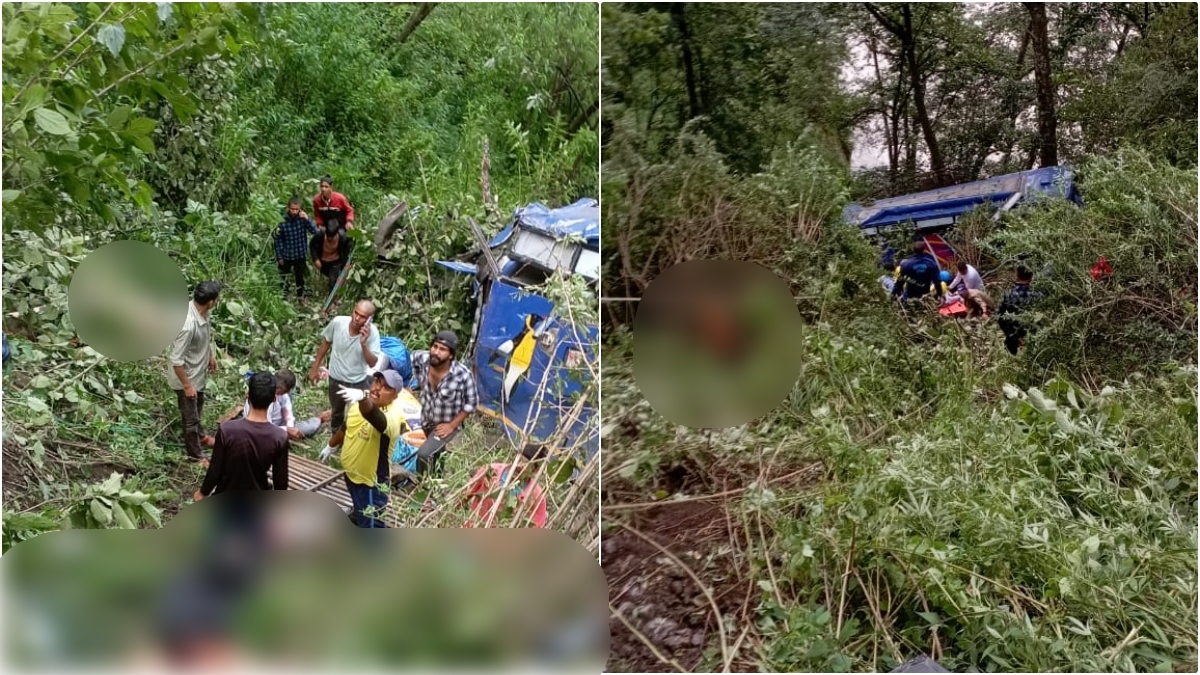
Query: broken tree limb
(415, 20)
(387, 228)
(482, 240)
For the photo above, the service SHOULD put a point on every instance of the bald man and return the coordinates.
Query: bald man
(352, 343)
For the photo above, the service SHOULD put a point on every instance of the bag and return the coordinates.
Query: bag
(399, 359)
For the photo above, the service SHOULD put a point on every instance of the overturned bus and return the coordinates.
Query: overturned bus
(533, 361)
(933, 212)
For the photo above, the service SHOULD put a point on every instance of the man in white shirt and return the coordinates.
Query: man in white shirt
(352, 344)
(281, 412)
(190, 360)
(969, 286)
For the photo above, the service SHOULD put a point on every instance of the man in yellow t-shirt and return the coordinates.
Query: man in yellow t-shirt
(366, 440)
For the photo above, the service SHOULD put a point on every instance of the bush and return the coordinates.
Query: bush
(1140, 214)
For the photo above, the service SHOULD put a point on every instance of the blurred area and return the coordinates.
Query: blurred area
(283, 580)
(718, 343)
(127, 300)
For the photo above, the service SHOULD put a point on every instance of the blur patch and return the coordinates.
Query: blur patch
(127, 300)
(284, 580)
(717, 343)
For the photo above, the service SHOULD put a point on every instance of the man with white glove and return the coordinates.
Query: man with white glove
(373, 423)
(350, 396)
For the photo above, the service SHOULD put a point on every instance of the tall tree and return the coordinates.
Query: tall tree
(1047, 122)
(902, 28)
(689, 67)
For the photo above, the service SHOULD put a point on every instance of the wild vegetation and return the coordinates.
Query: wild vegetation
(920, 491)
(189, 126)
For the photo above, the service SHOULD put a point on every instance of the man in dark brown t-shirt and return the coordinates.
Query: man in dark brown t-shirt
(247, 448)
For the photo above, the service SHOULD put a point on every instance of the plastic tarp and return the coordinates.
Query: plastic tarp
(399, 359)
(557, 374)
(942, 207)
(580, 219)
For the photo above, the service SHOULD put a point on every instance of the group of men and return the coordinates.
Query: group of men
(365, 420)
(299, 241)
(920, 275)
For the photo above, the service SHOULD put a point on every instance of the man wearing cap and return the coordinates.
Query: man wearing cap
(352, 343)
(447, 393)
(372, 427)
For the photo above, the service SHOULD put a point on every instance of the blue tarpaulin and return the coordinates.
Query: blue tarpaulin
(941, 208)
(399, 359)
(580, 219)
(545, 395)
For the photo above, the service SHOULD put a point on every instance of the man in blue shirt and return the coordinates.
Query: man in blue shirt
(1020, 298)
(917, 275)
(291, 245)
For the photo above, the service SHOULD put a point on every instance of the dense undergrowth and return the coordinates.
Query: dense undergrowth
(999, 513)
(189, 126)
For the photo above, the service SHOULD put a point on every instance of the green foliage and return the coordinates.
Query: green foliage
(79, 85)
(761, 75)
(188, 126)
(1139, 213)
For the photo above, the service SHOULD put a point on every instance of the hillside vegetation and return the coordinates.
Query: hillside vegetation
(189, 126)
(920, 491)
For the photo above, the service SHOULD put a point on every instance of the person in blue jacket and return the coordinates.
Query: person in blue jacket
(917, 274)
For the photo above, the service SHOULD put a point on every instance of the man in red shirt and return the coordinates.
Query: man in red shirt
(329, 205)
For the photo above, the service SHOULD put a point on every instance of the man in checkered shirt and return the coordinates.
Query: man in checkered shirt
(291, 245)
(446, 389)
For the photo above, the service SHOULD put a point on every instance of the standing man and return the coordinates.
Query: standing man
(330, 251)
(329, 205)
(191, 360)
(372, 427)
(917, 274)
(291, 238)
(447, 394)
(247, 448)
(352, 343)
(1018, 299)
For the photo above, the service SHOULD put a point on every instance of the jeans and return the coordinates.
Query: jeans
(362, 496)
(429, 455)
(192, 409)
(337, 405)
(298, 269)
(309, 427)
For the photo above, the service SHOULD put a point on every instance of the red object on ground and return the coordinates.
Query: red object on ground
(489, 479)
(956, 308)
(1101, 269)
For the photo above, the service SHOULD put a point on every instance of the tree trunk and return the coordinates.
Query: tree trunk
(903, 30)
(415, 20)
(936, 163)
(689, 70)
(1047, 123)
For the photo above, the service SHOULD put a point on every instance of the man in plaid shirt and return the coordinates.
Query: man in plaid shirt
(447, 393)
(291, 245)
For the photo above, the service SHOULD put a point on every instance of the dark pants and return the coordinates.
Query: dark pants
(429, 455)
(330, 269)
(337, 405)
(1014, 332)
(363, 496)
(298, 269)
(192, 409)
